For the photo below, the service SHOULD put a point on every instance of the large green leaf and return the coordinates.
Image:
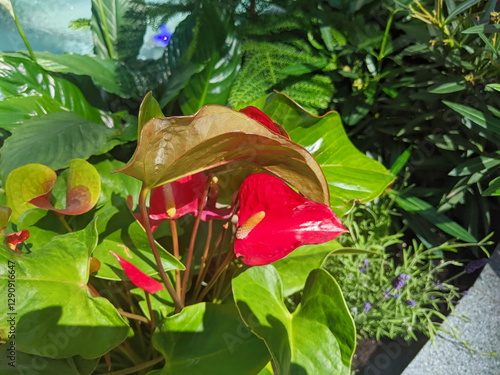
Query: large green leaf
(15, 110)
(21, 77)
(296, 266)
(118, 28)
(318, 338)
(53, 140)
(209, 339)
(55, 314)
(175, 147)
(351, 175)
(102, 71)
(26, 364)
(213, 84)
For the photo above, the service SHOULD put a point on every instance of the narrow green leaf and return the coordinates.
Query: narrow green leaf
(448, 87)
(493, 188)
(150, 108)
(461, 8)
(494, 86)
(318, 338)
(53, 140)
(400, 162)
(479, 164)
(417, 206)
(485, 29)
(484, 120)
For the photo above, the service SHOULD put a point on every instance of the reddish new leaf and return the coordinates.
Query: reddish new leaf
(139, 278)
(15, 239)
(273, 220)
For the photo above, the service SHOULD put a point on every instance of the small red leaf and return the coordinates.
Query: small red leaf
(139, 278)
(15, 239)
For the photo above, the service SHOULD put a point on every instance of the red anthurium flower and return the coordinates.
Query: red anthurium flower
(273, 220)
(139, 278)
(259, 116)
(178, 198)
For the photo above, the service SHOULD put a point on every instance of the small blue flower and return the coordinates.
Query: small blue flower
(163, 37)
(367, 307)
(411, 302)
(387, 294)
(362, 269)
(400, 281)
(366, 262)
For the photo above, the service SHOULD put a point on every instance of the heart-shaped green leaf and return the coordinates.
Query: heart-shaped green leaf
(297, 265)
(351, 175)
(55, 314)
(204, 338)
(176, 147)
(318, 338)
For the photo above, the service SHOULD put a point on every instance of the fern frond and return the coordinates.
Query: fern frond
(312, 93)
(262, 69)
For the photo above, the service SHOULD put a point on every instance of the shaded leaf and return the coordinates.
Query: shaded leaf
(204, 337)
(318, 338)
(56, 317)
(493, 188)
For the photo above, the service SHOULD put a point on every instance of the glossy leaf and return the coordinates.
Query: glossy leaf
(485, 29)
(21, 77)
(56, 316)
(53, 140)
(318, 338)
(102, 71)
(351, 175)
(204, 337)
(214, 137)
(82, 192)
(213, 84)
(483, 120)
(478, 164)
(25, 183)
(297, 265)
(15, 110)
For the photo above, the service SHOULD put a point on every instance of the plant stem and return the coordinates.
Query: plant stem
(63, 221)
(20, 30)
(203, 264)
(381, 53)
(175, 246)
(142, 366)
(133, 316)
(192, 242)
(150, 309)
(215, 277)
(179, 305)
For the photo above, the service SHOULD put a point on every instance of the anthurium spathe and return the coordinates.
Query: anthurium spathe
(273, 220)
(139, 278)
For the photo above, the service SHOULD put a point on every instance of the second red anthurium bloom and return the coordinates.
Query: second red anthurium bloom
(273, 220)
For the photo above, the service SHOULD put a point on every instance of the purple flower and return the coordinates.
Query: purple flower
(362, 269)
(366, 262)
(400, 281)
(475, 265)
(397, 295)
(367, 307)
(387, 293)
(354, 310)
(411, 302)
(163, 37)
(438, 285)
